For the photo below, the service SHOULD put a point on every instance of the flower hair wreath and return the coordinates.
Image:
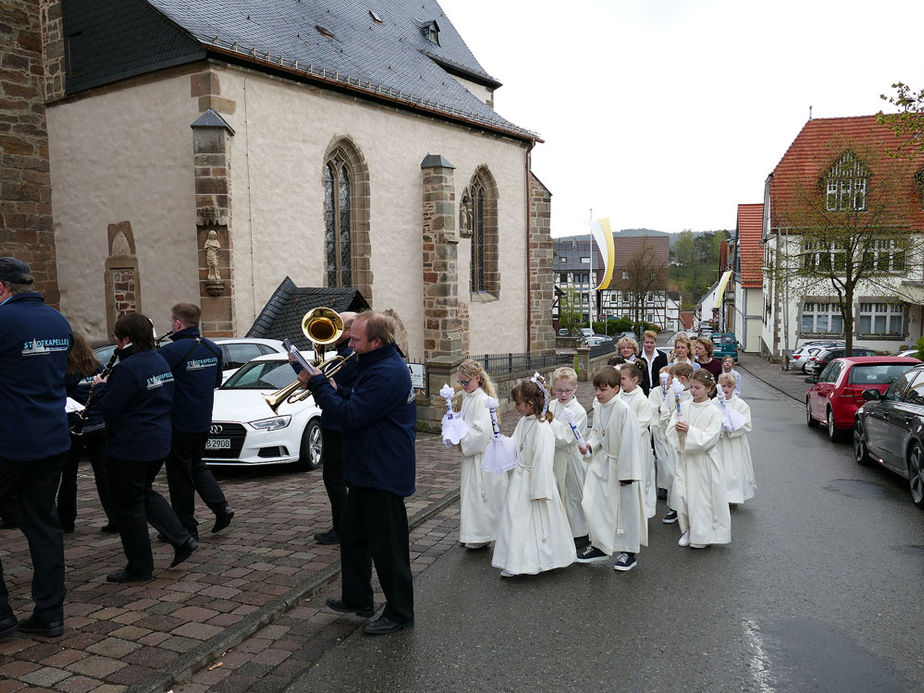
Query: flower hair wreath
(545, 393)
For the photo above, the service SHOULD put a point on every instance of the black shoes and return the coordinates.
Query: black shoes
(8, 626)
(125, 576)
(35, 626)
(332, 536)
(384, 625)
(662, 494)
(184, 551)
(338, 605)
(581, 542)
(670, 518)
(223, 519)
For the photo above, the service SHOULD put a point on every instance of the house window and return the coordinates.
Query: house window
(822, 257)
(485, 276)
(885, 255)
(337, 210)
(822, 318)
(845, 185)
(880, 318)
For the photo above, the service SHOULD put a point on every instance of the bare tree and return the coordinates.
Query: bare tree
(849, 234)
(646, 276)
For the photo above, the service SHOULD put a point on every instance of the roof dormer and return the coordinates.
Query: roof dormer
(430, 31)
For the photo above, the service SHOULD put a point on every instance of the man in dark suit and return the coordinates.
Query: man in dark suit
(651, 361)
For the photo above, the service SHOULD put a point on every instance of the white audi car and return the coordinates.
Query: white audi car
(246, 431)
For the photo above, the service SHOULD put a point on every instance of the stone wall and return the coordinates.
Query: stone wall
(26, 227)
(541, 269)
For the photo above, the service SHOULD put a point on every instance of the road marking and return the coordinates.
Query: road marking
(759, 662)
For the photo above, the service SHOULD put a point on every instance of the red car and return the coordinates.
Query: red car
(837, 394)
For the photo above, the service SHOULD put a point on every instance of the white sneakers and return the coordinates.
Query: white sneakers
(685, 539)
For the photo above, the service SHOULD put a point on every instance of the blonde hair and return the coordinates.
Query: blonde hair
(683, 339)
(565, 373)
(707, 345)
(665, 369)
(473, 369)
(649, 333)
(728, 379)
(630, 341)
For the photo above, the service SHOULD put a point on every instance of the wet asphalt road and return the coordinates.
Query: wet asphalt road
(821, 589)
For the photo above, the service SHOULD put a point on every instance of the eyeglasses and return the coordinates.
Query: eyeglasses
(464, 383)
(564, 391)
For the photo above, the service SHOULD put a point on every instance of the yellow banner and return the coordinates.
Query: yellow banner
(603, 236)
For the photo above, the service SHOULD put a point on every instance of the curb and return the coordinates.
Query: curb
(769, 384)
(202, 654)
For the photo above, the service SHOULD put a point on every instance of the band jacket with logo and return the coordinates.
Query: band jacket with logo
(196, 372)
(34, 342)
(379, 420)
(79, 389)
(137, 406)
(344, 378)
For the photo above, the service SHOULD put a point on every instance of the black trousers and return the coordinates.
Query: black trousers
(94, 443)
(136, 504)
(373, 529)
(187, 474)
(36, 482)
(332, 473)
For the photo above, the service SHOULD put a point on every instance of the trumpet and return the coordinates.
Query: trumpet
(323, 327)
(159, 340)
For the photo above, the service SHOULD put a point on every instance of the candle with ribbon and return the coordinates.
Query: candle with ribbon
(501, 453)
(568, 415)
(454, 426)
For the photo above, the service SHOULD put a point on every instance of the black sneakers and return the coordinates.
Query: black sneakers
(670, 518)
(625, 561)
(591, 555)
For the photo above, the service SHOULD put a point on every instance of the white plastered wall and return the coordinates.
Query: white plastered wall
(124, 155)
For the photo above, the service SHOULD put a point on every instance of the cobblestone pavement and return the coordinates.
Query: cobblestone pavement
(245, 607)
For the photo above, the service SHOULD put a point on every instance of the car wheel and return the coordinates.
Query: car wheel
(312, 446)
(810, 422)
(916, 473)
(834, 435)
(860, 452)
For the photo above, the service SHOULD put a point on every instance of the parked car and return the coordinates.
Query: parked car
(826, 356)
(246, 431)
(597, 339)
(726, 344)
(836, 395)
(913, 353)
(235, 351)
(889, 430)
(585, 331)
(807, 358)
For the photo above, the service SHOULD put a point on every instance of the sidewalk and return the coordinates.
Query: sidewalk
(244, 609)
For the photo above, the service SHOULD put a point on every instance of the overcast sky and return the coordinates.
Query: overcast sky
(667, 114)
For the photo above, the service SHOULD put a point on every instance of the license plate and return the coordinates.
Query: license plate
(218, 444)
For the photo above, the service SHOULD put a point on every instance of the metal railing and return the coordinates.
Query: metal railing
(497, 364)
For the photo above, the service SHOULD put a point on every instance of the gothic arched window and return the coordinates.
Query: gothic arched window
(337, 221)
(485, 275)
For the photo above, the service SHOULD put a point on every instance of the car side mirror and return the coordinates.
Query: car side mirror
(871, 395)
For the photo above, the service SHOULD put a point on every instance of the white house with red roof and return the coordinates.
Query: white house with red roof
(749, 280)
(848, 167)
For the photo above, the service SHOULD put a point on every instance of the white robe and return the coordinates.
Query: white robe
(570, 469)
(699, 494)
(639, 405)
(735, 455)
(533, 534)
(664, 453)
(615, 513)
(481, 493)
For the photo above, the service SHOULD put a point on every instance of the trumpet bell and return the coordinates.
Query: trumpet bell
(322, 326)
(276, 398)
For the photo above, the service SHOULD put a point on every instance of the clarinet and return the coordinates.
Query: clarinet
(77, 429)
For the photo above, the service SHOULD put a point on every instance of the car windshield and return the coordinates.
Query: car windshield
(261, 375)
(877, 373)
(725, 339)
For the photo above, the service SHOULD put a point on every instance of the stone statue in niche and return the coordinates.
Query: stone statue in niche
(211, 247)
(465, 217)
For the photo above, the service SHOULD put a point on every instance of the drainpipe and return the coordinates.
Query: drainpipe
(529, 317)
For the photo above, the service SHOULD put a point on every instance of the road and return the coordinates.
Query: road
(819, 590)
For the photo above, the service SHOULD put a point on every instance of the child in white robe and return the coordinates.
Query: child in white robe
(613, 503)
(699, 493)
(734, 451)
(481, 493)
(533, 535)
(680, 391)
(661, 401)
(728, 366)
(633, 395)
(570, 469)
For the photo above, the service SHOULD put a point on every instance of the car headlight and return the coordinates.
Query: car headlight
(272, 424)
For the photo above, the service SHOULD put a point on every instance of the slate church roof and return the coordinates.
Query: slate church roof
(282, 315)
(401, 52)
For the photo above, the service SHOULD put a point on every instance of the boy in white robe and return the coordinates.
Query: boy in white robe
(728, 366)
(632, 394)
(699, 493)
(481, 493)
(533, 535)
(613, 503)
(661, 401)
(734, 451)
(680, 392)
(570, 469)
